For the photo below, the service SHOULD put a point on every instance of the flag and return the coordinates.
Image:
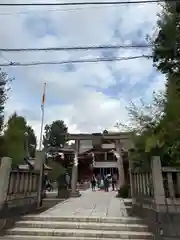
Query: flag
(43, 96)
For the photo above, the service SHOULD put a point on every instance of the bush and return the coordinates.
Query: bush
(123, 192)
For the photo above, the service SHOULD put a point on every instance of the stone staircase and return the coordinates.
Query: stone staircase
(41, 227)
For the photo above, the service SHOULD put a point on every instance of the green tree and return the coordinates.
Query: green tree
(4, 80)
(166, 57)
(16, 140)
(32, 141)
(52, 136)
(147, 128)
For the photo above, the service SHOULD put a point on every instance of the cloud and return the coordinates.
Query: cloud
(89, 97)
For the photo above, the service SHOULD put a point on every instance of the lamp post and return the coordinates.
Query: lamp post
(26, 145)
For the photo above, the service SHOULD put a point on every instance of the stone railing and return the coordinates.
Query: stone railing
(155, 198)
(142, 184)
(171, 179)
(18, 190)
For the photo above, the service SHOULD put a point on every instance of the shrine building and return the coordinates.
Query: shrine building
(97, 154)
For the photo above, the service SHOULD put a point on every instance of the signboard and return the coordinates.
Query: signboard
(105, 165)
(85, 145)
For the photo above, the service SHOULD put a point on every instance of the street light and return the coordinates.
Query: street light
(26, 145)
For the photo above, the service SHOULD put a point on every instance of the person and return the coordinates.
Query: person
(101, 184)
(49, 186)
(98, 180)
(68, 181)
(106, 184)
(93, 183)
(114, 181)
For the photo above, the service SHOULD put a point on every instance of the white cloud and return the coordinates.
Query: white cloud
(82, 95)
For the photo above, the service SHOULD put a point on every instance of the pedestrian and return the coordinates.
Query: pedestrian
(68, 180)
(114, 182)
(93, 183)
(98, 180)
(106, 184)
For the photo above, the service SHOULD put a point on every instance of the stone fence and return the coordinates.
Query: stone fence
(156, 198)
(18, 190)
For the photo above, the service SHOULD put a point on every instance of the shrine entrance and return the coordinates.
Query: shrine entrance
(98, 153)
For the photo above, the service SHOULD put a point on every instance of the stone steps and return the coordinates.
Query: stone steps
(82, 225)
(127, 220)
(42, 227)
(21, 237)
(80, 233)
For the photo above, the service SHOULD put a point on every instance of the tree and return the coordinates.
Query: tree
(166, 49)
(52, 136)
(32, 141)
(4, 79)
(16, 140)
(147, 127)
(166, 57)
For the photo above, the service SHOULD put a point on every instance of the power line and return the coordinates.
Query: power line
(58, 10)
(91, 60)
(75, 48)
(83, 3)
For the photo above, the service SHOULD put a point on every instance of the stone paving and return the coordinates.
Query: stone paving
(90, 204)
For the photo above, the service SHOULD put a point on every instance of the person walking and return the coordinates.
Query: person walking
(68, 181)
(114, 182)
(106, 184)
(93, 183)
(98, 181)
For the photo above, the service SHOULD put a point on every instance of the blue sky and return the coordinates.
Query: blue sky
(88, 97)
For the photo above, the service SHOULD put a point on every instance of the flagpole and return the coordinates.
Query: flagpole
(40, 185)
(41, 131)
(42, 117)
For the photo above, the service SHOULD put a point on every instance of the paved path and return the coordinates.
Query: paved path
(90, 204)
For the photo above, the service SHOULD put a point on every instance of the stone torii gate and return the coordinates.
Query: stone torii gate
(122, 140)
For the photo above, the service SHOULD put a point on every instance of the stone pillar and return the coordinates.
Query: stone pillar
(74, 190)
(132, 179)
(39, 161)
(39, 166)
(178, 183)
(120, 164)
(158, 186)
(5, 169)
(170, 185)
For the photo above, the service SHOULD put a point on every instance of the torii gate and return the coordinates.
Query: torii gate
(122, 140)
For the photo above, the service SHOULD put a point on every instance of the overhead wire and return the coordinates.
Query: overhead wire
(75, 48)
(90, 60)
(83, 3)
(100, 3)
(63, 9)
(58, 10)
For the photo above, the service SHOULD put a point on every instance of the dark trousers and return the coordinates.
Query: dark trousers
(113, 185)
(93, 185)
(106, 187)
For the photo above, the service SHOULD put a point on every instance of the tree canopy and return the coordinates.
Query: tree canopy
(4, 80)
(156, 126)
(52, 136)
(16, 142)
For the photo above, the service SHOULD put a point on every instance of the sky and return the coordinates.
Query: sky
(89, 97)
